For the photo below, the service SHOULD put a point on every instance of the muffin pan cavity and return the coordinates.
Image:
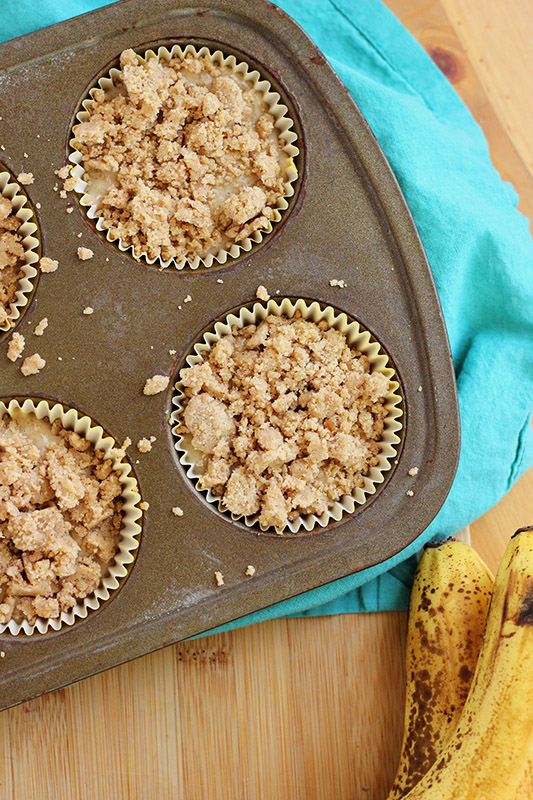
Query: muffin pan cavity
(345, 242)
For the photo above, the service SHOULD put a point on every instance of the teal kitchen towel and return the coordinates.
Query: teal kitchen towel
(477, 243)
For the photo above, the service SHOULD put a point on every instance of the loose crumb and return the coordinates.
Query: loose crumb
(156, 384)
(62, 173)
(419, 389)
(187, 299)
(172, 352)
(219, 578)
(189, 156)
(60, 521)
(63, 194)
(409, 493)
(144, 506)
(41, 327)
(38, 206)
(84, 253)
(177, 511)
(144, 445)
(219, 280)
(70, 209)
(25, 178)
(126, 443)
(413, 471)
(87, 310)
(285, 417)
(250, 570)
(80, 234)
(16, 346)
(48, 264)
(341, 284)
(262, 293)
(26, 155)
(32, 365)
(2, 654)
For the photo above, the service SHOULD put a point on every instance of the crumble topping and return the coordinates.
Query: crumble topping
(285, 418)
(41, 326)
(32, 365)
(11, 257)
(15, 346)
(25, 178)
(182, 157)
(262, 293)
(48, 264)
(144, 445)
(156, 384)
(84, 253)
(60, 517)
(63, 172)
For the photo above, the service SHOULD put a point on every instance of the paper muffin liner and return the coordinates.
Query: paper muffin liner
(28, 230)
(359, 339)
(283, 124)
(130, 530)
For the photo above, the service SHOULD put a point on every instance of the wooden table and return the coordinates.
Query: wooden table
(306, 709)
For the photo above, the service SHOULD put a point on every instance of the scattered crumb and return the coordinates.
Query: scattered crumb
(70, 209)
(144, 506)
(69, 184)
(60, 521)
(126, 443)
(2, 654)
(41, 327)
(59, 358)
(144, 445)
(87, 310)
(156, 384)
(38, 206)
(341, 284)
(80, 234)
(219, 280)
(177, 511)
(413, 471)
(250, 570)
(187, 299)
(16, 346)
(25, 155)
(419, 389)
(262, 293)
(32, 365)
(84, 253)
(152, 439)
(219, 578)
(62, 173)
(409, 493)
(48, 264)
(63, 194)
(172, 352)
(25, 178)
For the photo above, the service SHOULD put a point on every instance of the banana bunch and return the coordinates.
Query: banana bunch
(468, 731)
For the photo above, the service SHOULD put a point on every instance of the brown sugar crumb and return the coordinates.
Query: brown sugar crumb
(285, 417)
(11, 258)
(156, 384)
(144, 445)
(250, 570)
(184, 157)
(32, 365)
(60, 518)
(15, 347)
(25, 178)
(41, 327)
(48, 264)
(85, 253)
(177, 511)
(262, 293)
(219, 578)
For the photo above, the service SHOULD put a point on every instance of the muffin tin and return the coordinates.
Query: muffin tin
(346, 221)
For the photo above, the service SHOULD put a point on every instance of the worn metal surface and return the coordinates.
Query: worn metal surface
(348, 220)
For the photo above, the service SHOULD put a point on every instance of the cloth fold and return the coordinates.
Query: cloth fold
(478, 246)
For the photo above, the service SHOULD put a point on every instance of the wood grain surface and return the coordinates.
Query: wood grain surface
(301, 709)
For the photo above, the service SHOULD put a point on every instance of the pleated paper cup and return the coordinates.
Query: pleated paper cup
(131, 513)
(282, 124)
(358, 339)
(29, 232)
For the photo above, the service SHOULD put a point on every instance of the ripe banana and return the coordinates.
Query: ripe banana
(448, 609)
(490, 753)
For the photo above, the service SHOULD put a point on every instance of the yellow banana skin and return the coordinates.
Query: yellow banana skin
(489, 755)
(448, 609)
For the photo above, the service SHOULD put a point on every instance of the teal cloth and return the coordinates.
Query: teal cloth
(477, 243)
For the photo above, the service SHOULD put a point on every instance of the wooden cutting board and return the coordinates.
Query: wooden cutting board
(301, 709)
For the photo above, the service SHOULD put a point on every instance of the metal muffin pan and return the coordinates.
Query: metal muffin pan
(348, 220)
